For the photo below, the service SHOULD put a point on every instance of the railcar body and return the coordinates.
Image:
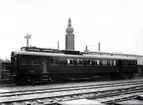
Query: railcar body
(140, 65)
(28, 65)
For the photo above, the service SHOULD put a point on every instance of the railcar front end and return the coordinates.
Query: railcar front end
(28, 68)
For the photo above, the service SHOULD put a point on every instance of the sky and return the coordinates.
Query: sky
(116, 24)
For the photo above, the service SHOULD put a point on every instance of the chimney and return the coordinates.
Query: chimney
(58, 45)
(86, 49)
(98, 46)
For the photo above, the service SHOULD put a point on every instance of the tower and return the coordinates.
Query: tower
(69, 37)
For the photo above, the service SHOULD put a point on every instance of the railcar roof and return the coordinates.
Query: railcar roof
(75, 56)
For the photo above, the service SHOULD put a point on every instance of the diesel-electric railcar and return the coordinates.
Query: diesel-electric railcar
(33, 66)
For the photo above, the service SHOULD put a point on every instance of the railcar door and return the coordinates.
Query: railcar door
(44, 66)
(120, 65)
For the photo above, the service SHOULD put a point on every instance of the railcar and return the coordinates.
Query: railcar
(33, 66)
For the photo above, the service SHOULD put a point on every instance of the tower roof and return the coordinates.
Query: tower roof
(69, 29)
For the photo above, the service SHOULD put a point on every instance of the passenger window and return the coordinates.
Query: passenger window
(104, 62)
(93, 62)
(23, 62)
(135, 62)
(125, 62)
(132, 62)
(88, 62)
(62, 60)
(114, 63)
(54, 61)
(33, 61)
(110, 63)
(69, 61)
(97, 62)
(79, 61)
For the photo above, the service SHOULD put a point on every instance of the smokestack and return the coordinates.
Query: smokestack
(58, 45)
(98, 46)
(86, 49)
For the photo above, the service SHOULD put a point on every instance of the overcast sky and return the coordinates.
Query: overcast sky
(116, 24)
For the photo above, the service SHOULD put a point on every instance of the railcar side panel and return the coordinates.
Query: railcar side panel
(81, 69)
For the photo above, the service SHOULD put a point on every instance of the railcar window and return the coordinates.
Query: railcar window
(132, 62)
(54, 61)
(114, 62)
(110, 62)
(97, 62)
(62, 61)
(129, 62)
(79, 61)
(15, 58)
(33, 61)
(93, 62)
(44, 62)
(25, 60)
(88, 61)
(135, 62)
(104, 62)
(69, 61)
(125, 62)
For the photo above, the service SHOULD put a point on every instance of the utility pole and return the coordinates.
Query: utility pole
(27, 37)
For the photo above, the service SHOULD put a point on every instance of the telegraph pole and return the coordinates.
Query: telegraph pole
(27, 37)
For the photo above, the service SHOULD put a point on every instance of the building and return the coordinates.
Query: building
(69, 37)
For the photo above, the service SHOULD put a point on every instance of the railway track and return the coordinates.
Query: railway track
(12, 88)
(51, 95)
(116, 96)
(50, 90)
